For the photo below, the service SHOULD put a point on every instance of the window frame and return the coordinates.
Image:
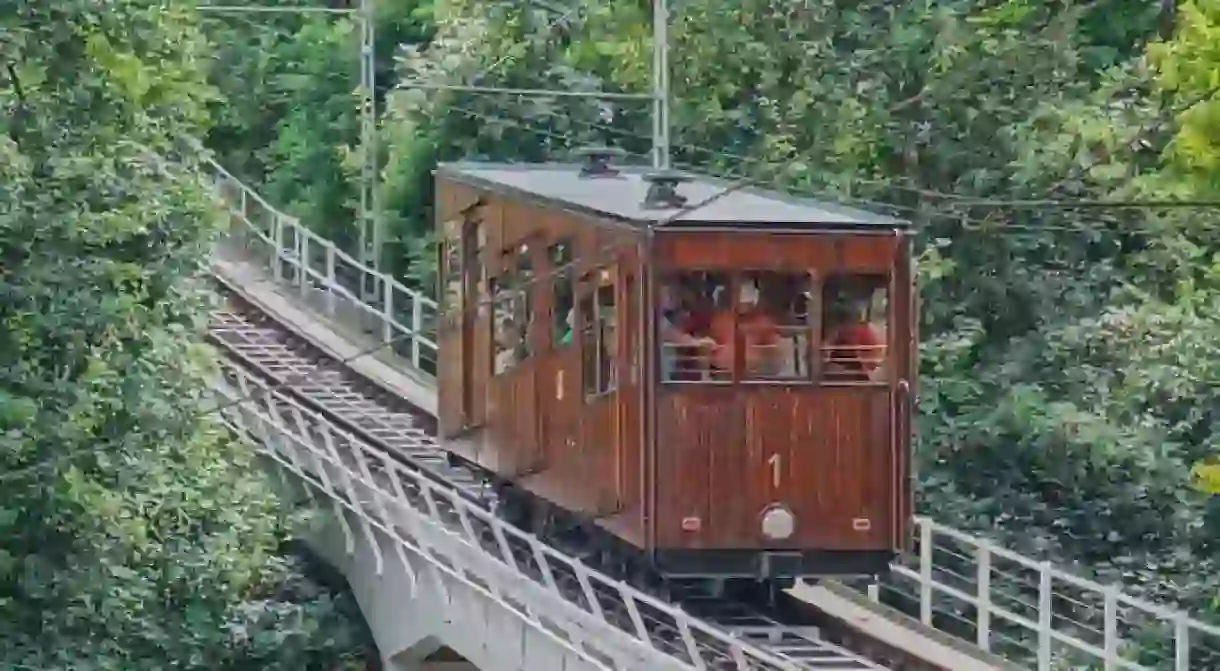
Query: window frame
(562, 274)
(887, 285)
(589, 288)
(816, 327)
(509, 294)
(451, 268)
(668, 274)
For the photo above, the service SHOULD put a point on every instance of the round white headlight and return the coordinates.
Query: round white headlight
(778, 522)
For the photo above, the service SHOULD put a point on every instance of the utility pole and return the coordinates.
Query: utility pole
(369, 218)
(372, 235)
(660, 84)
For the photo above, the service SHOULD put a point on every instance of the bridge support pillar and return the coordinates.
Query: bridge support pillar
(401, 628)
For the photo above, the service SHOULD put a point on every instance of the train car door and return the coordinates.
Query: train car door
(627, 449)
(598, 317)
(451, 368)
(559, 380)
(473, 318)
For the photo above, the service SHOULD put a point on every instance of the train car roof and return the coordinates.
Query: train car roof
(622, 198)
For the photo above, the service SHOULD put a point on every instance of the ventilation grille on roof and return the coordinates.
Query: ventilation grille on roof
(663, 190)
(598, 161)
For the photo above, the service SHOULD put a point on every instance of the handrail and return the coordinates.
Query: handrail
(955, 581)
(403, 318)
(470, 543)
(1017, 606)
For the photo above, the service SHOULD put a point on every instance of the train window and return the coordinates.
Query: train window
(587, 317)
(512, 310)
(855, 327)
(523, 303)
(695, 327)
(502, 336)
(563, 297)
(776, 325)
(599, 328)
(451, 270)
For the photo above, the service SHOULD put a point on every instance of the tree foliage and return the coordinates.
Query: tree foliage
(1071, 363)
(134, 532)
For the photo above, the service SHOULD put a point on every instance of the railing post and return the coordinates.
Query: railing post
(1181, 641)
(925, 572)
(1045, 623)
(417, 327)
(303, 265)
(331, 281)
(387, 322)
(1110, 633)
(983, 598)
(277, 238)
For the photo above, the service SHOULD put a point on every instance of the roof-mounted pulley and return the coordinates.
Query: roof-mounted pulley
(598, 161)
(663, 190)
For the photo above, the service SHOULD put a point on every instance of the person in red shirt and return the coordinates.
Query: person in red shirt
(854, 347)
(759, 334)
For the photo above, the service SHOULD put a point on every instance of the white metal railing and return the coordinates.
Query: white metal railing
(606, 621)
(1023, 609)
(1032, 613)
(330, 280)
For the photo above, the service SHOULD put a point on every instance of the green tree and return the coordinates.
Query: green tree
(1070, 362)
(288, 108)
(1069, 366)
(1188, 69)
(134, 532)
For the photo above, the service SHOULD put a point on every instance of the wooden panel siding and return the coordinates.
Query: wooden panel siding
(720, 448)
(776, 251)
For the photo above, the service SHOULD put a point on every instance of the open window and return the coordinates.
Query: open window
(598, 318)
(773, 326)
(855, 327)
(563, 294)
(512, 311)
(695, 327)
(708, 320)
(451, 276)
(776, 324)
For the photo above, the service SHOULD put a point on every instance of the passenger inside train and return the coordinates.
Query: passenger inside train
(789, 330)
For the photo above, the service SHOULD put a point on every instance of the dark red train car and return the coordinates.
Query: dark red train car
(711, 382)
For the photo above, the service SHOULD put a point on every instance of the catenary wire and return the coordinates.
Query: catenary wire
(958, 200)
(969, 223)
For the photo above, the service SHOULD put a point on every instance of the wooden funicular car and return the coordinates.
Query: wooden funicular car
(692, 382)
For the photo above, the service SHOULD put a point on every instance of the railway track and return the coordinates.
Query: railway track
(371, 432)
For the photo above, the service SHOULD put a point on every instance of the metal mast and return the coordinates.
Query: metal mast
(371, 233)
(660, 84)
